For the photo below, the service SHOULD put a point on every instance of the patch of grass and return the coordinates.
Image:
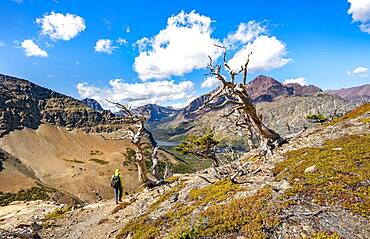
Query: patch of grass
(99, 161)
(57, 213)
(352, 114)
(342, 175)
(35, 193)
(73, 161)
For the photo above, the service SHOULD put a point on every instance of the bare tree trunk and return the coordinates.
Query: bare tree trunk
(155, 163)
(141, 167)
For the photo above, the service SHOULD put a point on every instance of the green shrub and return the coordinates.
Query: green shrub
(35, 193)
(99, 161)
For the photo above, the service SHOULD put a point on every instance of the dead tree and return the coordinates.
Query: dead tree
(236, 95)
(135, 133)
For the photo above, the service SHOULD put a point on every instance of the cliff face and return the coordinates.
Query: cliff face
(24, 104)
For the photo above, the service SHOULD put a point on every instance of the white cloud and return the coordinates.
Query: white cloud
(359, 71)
(210, 82)
(299, 80)
(121, 41)
(128, 30)
(360, 11)
(61, 27)
(31, 49)
(137, 94)
(104, 46)
(245, 33)
(184, 45)
(268, 53)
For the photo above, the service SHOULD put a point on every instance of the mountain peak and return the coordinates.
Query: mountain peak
(93, 104)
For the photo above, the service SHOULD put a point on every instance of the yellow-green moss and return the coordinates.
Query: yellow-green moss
(253, 216)
(214, 193)
(366, 120)
(325, 235)
(172, 179)
(342, 175)
(352, 114)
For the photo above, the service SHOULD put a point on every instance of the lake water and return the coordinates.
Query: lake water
(167, 143)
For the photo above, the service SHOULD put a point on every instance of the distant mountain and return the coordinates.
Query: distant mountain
(265, 89)
(24, 104)
(157, 113)
(261, 89)
(93, 104)
(354, 94)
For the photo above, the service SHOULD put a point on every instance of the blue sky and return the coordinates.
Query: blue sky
(155, 51)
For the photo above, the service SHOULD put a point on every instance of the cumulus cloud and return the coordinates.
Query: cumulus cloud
(184, 45)
(299, 80)
(121, 41)
(137, 94)
(104, 46)
(210, 82)
(268, 53)
(61, 27)
(245, 33)
(31, 49)
(359, 71)
(360, 11)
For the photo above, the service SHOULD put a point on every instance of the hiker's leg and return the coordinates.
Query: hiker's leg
(120, 194)
(116, 194)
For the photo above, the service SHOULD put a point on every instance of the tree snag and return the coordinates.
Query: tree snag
(236, 94)
(135, 133)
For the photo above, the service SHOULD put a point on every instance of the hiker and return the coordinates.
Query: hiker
(116, 183)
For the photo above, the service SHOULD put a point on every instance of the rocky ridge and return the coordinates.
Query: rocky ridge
(24, 104)
(358, 94)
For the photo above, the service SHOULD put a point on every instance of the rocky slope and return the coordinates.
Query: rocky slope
(357, 94)
(296, 193)
(285, 115)
(24, 104)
